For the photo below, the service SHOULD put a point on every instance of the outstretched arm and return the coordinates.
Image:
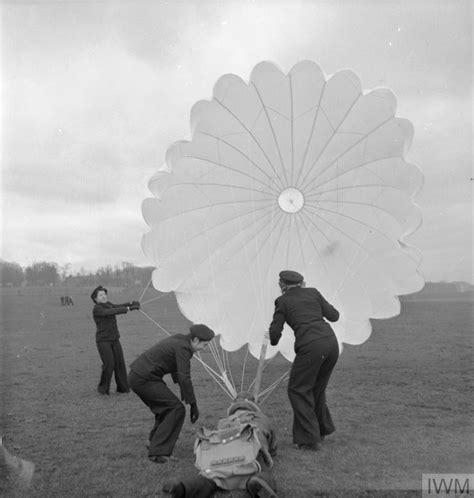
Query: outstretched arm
(101, 311)
(133, 305)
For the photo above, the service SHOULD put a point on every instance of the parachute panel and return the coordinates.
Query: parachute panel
(286, 171)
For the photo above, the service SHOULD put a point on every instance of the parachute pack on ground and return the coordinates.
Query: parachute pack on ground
(288, 171)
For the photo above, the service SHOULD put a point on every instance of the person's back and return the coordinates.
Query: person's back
(164, 357)
(304, 310)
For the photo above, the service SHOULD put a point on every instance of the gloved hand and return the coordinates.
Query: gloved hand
(135, 306)
(194, 413)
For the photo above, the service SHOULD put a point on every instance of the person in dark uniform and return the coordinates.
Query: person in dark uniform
(107, 339)
(317, 351)
(169, 356)
(238, 454)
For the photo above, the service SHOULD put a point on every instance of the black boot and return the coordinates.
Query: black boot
(175, 489)
(258, 488)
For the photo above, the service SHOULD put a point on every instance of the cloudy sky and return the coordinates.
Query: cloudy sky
(94, 92)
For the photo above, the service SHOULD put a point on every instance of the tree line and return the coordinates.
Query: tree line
(48, 274)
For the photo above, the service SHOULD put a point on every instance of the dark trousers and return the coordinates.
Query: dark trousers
(113, 362)
(309, 378)
(168, 410)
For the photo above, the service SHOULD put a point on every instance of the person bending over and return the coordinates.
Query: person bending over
(317, 351)
(169, 356)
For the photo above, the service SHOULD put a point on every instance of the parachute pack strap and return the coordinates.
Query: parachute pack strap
(261, 363)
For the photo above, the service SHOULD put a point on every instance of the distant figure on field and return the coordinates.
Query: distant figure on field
(236, 455)
(69, 301)
(317, 351)
(169, 356)
(107, 339)
(16, 473)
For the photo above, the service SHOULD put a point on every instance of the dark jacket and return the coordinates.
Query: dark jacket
(104, 317)
(169, 356)
(304, 310)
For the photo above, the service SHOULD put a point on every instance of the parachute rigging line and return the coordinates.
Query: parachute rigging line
(220, 379)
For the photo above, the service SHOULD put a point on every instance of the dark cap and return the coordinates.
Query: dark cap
(291, 277)
(202, 332)
(96, 291)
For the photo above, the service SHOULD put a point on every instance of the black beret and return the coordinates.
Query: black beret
(96, 291)
(291, 277)
(202, 332)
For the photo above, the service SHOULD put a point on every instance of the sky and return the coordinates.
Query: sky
(94, 93)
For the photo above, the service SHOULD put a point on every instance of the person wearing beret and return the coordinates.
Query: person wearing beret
(171, 355)
(305, 310)
(107, 339)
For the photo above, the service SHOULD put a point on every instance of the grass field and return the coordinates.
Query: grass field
(402, 404)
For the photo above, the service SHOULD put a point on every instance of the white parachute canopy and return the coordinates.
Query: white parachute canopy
(289, 171)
